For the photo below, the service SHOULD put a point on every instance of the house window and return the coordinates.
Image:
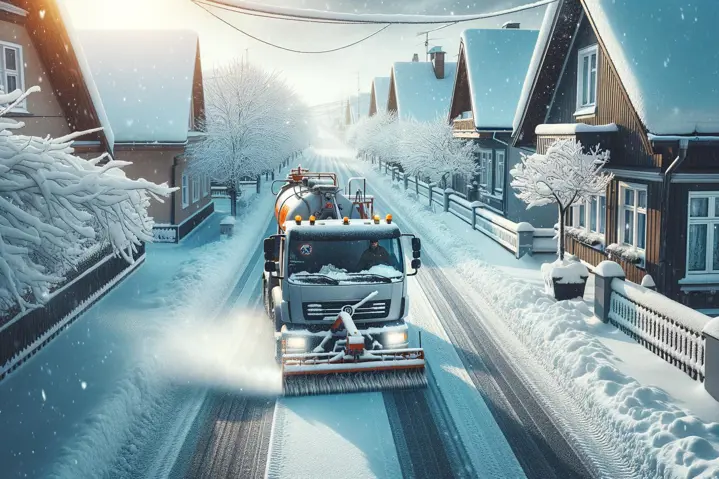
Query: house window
(185, 193)
(633, 215)
(499, 172)
(703, 234)
(205, 185)
(11, 67)
(587, 78)
(485, 172)
(597, 214)
(195, 188)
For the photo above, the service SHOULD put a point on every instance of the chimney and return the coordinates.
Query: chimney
(513, 25)
(415, 58)
(437, 58)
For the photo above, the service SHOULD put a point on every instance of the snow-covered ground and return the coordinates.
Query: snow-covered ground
(86, 398)
(665, 421)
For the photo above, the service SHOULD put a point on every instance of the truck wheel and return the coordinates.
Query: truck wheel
(277, 318)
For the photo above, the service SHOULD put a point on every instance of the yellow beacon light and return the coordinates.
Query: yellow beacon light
(346, 220)
(389, 219)
(298, 219)
(376, 219)
(312, 219)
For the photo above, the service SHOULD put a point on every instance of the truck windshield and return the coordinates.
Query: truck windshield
(336, 262)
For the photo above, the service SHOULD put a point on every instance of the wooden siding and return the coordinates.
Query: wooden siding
(549, 71)
(701, 158)
(463, 124)
(631, 148)
(461, 99)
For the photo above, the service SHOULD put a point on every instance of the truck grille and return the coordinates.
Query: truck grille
(317, 311)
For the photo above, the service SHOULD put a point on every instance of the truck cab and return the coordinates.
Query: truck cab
(317, 268)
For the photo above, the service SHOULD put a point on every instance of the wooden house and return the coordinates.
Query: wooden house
(151, 86)
(378, 95)
(644, 84)
(484, 101)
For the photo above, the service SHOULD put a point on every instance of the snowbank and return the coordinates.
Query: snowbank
(658, 438)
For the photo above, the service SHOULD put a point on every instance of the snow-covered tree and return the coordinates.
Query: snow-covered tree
(563, 176)
(429, 150)
(253, 121)
(54, 206)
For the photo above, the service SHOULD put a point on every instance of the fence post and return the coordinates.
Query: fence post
(379, 163)
(259, 181)
(416, 185)
(406, 181)
(525, 239)
(604, 273)
(447, 192)
(475, 206)
(648, 282)
(273, 175)
(430, 190)
(711, 358)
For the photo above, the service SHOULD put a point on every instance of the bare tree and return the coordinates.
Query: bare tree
(565, 175)
(54, 206)
(253, 121)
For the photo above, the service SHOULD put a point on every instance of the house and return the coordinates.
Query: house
(645, 86)
(378, 95)
(491, 70)
(421, 91)
(151, 86)
(357, 107)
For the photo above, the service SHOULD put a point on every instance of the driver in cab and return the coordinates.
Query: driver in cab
(374, 255)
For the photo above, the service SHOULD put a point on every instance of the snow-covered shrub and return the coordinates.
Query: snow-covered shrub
(587, 237)
(253, 121)
(628, 253)
(54, 206)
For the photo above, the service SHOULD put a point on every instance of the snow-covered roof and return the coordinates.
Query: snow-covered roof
(497, 61)
(381, 93)
(573, 128)
(420, 94)
(535, 61)
(667, 57)
(145, 79)
(363, 106)
(90, 83)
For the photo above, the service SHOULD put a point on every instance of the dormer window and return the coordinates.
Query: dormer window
(587, 81)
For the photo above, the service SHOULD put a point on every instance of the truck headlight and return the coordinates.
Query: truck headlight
(393, 339)
(296, 343)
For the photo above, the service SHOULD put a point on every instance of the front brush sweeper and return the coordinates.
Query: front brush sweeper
(335, 286)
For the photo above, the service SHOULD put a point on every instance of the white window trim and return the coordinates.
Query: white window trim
(205, 185)
(185, 186)
(587, 220)
(588, 108)
(22, 106)
(497, 153)
(486, 173)
(195, 188)
(708, 274)
(620, 217)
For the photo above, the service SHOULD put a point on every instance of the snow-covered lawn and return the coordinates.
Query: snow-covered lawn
(663, 419)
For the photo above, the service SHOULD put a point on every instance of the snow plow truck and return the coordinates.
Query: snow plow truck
(335, 286)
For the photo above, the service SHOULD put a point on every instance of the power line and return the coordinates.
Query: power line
(274, 45)
(249, 13)
(318, 16)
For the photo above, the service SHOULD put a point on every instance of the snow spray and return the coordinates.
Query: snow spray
(235, 354)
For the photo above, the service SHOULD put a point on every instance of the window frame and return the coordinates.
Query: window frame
(587, 52)
(587, 205)
(185, 187)
(195, 188)
(205, 185)
(19, 72)
(710, 220)
(499, 173)
(636, 187)
(486, 157)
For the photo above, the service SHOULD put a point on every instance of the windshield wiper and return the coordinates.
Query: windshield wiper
(315, 276)
(383, 279)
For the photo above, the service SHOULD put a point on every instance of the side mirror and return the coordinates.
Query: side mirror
(269, 246)
(416, 244)
(415, 254)
(270, 266)
(416, 263)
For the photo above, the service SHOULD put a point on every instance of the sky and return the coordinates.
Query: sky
(318, 79)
